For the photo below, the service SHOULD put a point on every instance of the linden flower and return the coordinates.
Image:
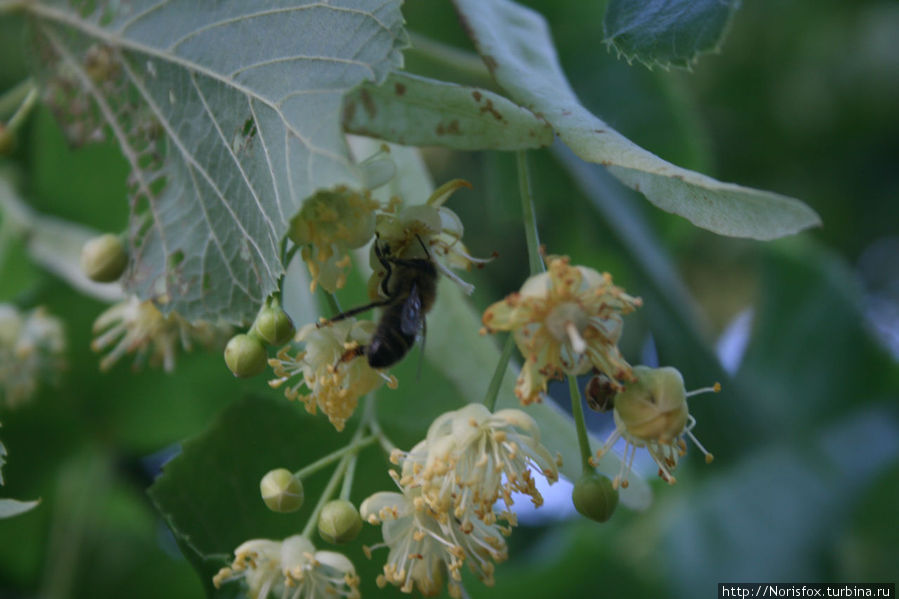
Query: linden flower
(420, 230)
(31, 350)
(335, 383)
(291, 569)
(423, 546)
(135, 326)
(465, 456)
(330, 224)
(652, 412)
(567, 319)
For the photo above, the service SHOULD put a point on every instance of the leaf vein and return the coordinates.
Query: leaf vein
(190, 160)
(273, 236)
(268, 162)
(284, 59)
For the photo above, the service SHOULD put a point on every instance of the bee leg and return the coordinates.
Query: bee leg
(385, 262)
(352, 312)
(422, 243)
(349, 354)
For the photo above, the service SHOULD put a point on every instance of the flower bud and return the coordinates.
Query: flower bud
(654, 406)
(594, 497)
(103, 258)
(281, 491)
(245, 355)
(339, 521)
(274, 326)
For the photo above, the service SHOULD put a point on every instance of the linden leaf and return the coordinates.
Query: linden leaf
(667, 32)
(515, 44)
(417, 111)
(229, 116)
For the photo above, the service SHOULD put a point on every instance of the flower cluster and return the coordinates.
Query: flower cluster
(330, 224)
(472, 457)
(652, 412)
(566, 320)
(419, 230)
(31, 350)
(291, 568)
(444, 517)
(135, 326)
(330, 368)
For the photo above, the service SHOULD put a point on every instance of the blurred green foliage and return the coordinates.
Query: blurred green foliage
(802, 100)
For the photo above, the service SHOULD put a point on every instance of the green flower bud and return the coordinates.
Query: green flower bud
(339, 521)
(654, 406)
(245, 355)
(103, 258)
(7, 140)
(281, 491)
(274, 326)
(594, 497)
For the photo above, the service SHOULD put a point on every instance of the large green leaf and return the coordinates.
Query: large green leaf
(417, 111)
(517, 48)
(223, 144)
(209, 494)
(667, 32)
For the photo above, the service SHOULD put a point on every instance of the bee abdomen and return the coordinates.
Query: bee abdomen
(389, 344)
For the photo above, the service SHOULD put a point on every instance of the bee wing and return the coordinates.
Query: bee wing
(410, 319)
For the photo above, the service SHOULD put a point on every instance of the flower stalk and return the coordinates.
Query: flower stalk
(530, 220)
(353, 448)
(577, 410)
(497, 380)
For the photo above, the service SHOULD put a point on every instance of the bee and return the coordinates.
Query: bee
(600, 392)
(409, 288)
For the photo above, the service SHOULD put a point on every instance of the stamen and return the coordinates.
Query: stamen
(708, 456)
(468, 288)
(716, 388)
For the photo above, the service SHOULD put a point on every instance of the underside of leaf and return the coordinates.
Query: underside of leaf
(229, 117)
(667, 32)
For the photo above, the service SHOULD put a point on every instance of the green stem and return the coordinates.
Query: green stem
(344, 471)
(24, 109)
(577, 410)
(501, 367)
(347, 486)
(530, 220)
(463, 62)
(325, 498)
(354, 447)
(13, 97)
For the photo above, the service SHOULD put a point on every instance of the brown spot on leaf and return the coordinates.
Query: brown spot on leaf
(440, 130)
(599, 131)
(368, 104)
(476, 95)
(488, 107)
(453, 127)
(400, 89)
